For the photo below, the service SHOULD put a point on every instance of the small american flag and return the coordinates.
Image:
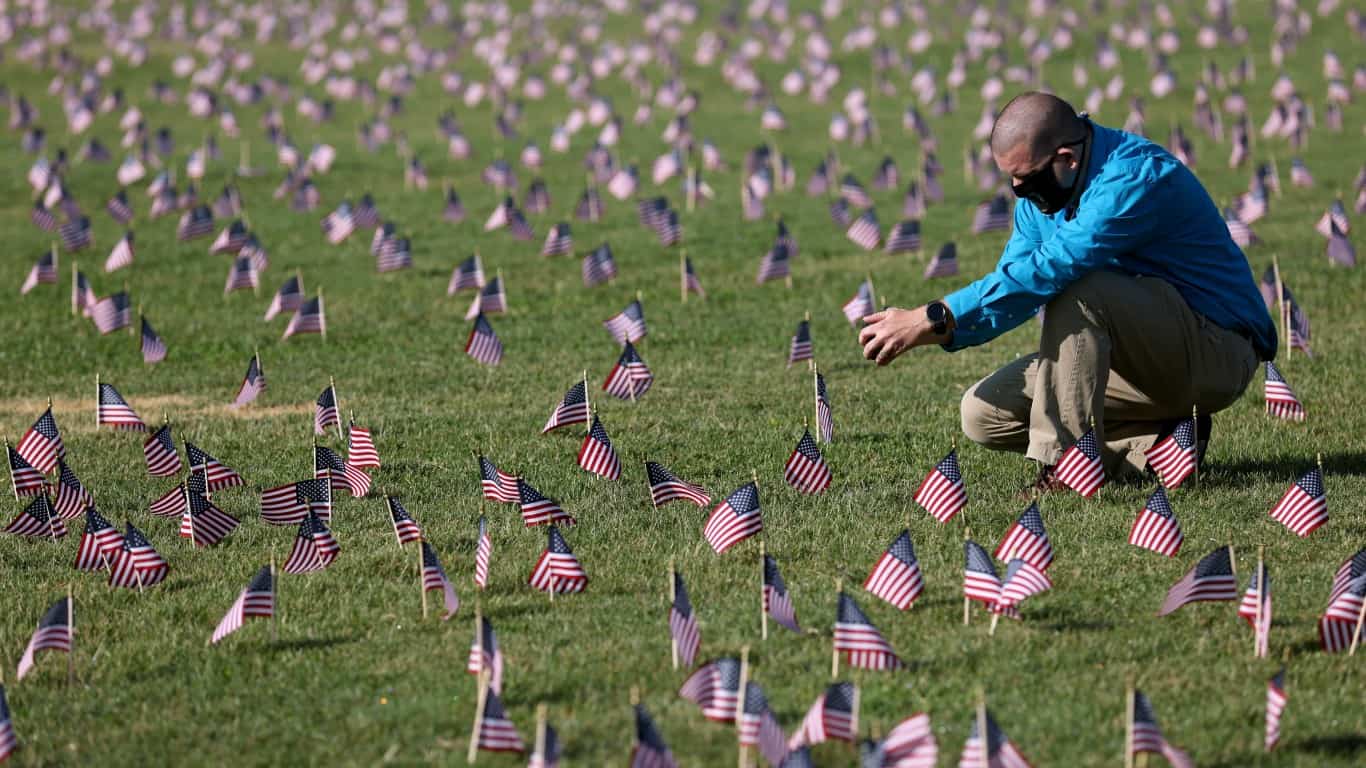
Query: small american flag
(735, 519)
(497, 485)
(825, 423)
(230, 239)
(887, 176)
(599, 266)
(1304, 506)
(27, 480)
(852, 191)
(160, 453)
(242, 275)
(1174, 457)
(8, 741)
(112, 313)
(54, 633)
(589, 207)
(1156, 527)
(83, 298)
(1000, 751)
(100, 543)
(1351, 568)
(485, 654)
(257, 601)
(863, 644)
(1027, 540)
(290, 504)
(1210, 580)
(1080, 466)
(806, 469)
(196, 223)
(904, 237)
(715, 687)
(980, 581)
(776, 263)
(944, 263)
(483, 344)
(395, 253)
(1280, 398)
(314, 547)
(42, 444)
(76, 235)
(1023, 580)
(202, 522)
(1258, 592)
(496, 731)
(666, 487)
(121, 255)
(325, 412)
(628, 325)
(751, 202)
(360, 448)
(941, 493)
(913, 205)
(861, 305)
(1147, 735)
(406, 528)
(759, 727)
(153, 348)
(434, 578)
(1276, 699)
(1337, 625)
(119, 208)
(840, 213)
(38, 521)
(169, 504)
(537, 508)
(112, 410)
(649, 751)
(1238, 230)
(832, 716)
(1335, 216)
(777, 600)
(1340, 250)
(483, 554)
(690, 281)
(558, 570)
(991, 216)
(218, 474)
(630, 377)
(896, 577)
(253, 384)
(801, 346)
(343, 476)
(1299, 173)
(572, 409)
(288, 298)
(467, 274)
(558, 241)
(651, 212)
(339, 224)
(492, 299)
(44, 272)
(43, 218)
(454, 210)
(683, 626)
(309, 318)
(865, 231)
(596, 454)
(909, 744)
(138, 564)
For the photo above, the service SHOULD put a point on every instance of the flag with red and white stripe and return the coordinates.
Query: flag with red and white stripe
(1304, 506)
(1080, 466)
(596, 454)
(896, 577)
(256, 601)
(1156, 527)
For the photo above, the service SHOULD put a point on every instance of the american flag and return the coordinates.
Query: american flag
(467, 274)
(1349, 571)
(483, 344)
(483, 553)
(42, 218)
(865, 231)
(558, 570)
(797, 758)
(496, 731)
(1298, 320)
(909, 744)
(112, 410)
(896, 577)
(498, 485)
(840, 213)
(309, 318)
(825, 423)
(1258, 592)
(112, 313)
(196, 223)
(853, 192)
(138, 564)
(44, 271)
(38, 521)
(76, 235)
(758, 727)
(253, 384)
(651, 212)
(288, 298)
(806, 469)
(1276, 699)
(777, 600)
(1210, 580)
(100, 543)
(1022, 581)
(887, 176)
(1147, 735)
(1238, 230)
(1174, 457)
(54, 633)
(537, 508)
(325, 413)
(1000, 750)
(628, 325)
(861, 305)
(752, 203)
(832, 716)
(360, 448)
(499, 174)
(42, 444)
(119, 208)
(160, 453)
(904, 237)
(589, 207)
(454, 210)
(1338, 623)
(121, 255)
(218, 474)
(784, 237)
(991, 216)
(498, 218)
(153, 348)
(683, 625)
(291, 503)
(690, 282)
(572, 409)
(230, 239)
(599, 266)
(630, 377)
(941, 493)
(980, 581)
(735, 519)
(944, 263)
(666, 487)
(801, 347)
(1304, 507)
(1080, 466)
(8, 741)
(83, 298)
(776, 263)
(27, 480)
(314, 547)
(1156, 527)
(338, 224)
(1340, 250)
(395, 253)
(241, 275)
(863, 644)
(257, 601)
(558, 241)
(1299, 173)
(1335, 216)
(406, 528)
(491, 300)
(256, 253)
(326, 463)
(1280, 398)
(596, 454)
(485, 654)
(649, 751)
(1027, 540)
(518, 225)
(169, 504)
(434, 577)
(715, 687)
(202, 522)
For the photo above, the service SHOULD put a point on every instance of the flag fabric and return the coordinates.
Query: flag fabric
(558, 570)
(598, 266)
(314, 547)
(138, 564)
(325, 412)
(483, 344)
(683, 623)
(1276, 699)
(944, 263)
(666, 487)
(860, 641)
(54, 633)
(1210, 580)
(217, 474)
(288, 298)
(75, 234)
(485, 654)
(496, 731)
(776, 263)
(498, 485)
(596, 454)
(536, 508)
(1258, 593)
(825, 423)
(169, 504)
(326, 463)
(991, 216)
(1027, 540)
(197, 222)
(909, 744)
(406, 528)
(715, 687)
(1304, 506)
(1147, 735)
(292, 503)
(690, 281)
(395, 253)
(202, 522)
(777, 600)
(941, 493)
(627, 325)
(572, 409)
(1080, 466)
(492, 299)
(257, 601)
(865, 231)
(42, 444)
(980, 581)
(801, 347)
(160, 453)
(253, 384)
(44, 272)
(558, 241)
(1280, 398)
(43, 218)
(37, 521)
(630, 377)
(1156, 527)
(1351, 568)
(758, 727)
(1337, 625)
(241, 275)
(434, 578)
(735, 519)
(1023, 580)
(360, 448)
(27, 480)
(483, 554)
(896, 577)
(100, 543)
(1340, 250)
(72, 497)
(904, 237)
(309, 318)
(112, 313)
(832, 716)
(861, 305)
(83, 298)
(230, 239)
(467, 274)
(1001, 752)
(8, 741)
(806, 469)
(1174, 457)
(649, 751)
(119, 207)
(852, 191)
(121, 255)
(153, 348)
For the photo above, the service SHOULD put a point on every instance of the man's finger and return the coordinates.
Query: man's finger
(874, 345)
(876, 317)
(866, 335)
(888, 354)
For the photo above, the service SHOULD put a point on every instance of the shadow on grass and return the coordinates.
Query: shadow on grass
(1341, 745)
(1236, 472)
(1064, 620)
(309, 643)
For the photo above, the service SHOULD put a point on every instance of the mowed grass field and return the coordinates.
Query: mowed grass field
(357, 678)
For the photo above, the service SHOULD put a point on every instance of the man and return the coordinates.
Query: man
(1149, 307)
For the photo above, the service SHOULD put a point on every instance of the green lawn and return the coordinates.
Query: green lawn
(357, 678)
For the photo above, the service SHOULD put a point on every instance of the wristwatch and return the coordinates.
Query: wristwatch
(938, 315)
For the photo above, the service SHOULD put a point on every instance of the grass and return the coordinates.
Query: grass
(357, 678)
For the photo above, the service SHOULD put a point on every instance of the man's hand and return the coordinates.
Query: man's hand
(888, 333)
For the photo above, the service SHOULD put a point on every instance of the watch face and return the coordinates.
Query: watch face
(935, 313)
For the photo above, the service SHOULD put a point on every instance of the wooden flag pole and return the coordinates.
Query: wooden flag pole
(982, 734)
(683, 275)
(478, 716)
(967, 601)
(189, 511)
(12, 485)
(71, 630)
(673, 596)
(478, 651)
(73, 287)
(742, 752)
(389, 505)
(587, 404)
(853, 720)
(1261, 590)
(322, 310)
(420, 586)
(653, 505)
(763, 609)
(1280, 291)
(1195, 432)
(1232, 563)
(995, 617)
(1129, 724)
(816, 395)
(336, 402)
(275, 596)
(834, 648)
(540, 731)
(1356, 632)
(97, 403)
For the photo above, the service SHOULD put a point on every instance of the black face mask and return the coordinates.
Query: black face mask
(1043, 189)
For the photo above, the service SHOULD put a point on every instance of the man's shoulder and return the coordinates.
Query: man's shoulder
(1135, 158)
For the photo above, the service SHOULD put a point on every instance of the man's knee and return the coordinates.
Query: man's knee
(978, 417)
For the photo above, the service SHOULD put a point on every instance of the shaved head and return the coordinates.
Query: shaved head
(1031, 127)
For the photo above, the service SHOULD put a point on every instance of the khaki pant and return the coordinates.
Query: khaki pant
(1126, 352)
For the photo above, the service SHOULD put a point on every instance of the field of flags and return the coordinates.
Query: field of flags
(346, 337)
